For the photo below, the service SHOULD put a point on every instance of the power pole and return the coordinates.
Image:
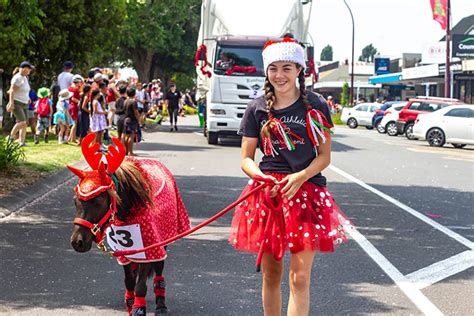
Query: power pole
(447, 73)
(351, 91)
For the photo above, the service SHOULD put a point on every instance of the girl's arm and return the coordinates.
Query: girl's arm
(95, 109)
(248, 165)
(296, 180)
(84, 104)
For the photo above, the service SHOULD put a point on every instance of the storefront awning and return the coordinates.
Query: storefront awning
(385, 78)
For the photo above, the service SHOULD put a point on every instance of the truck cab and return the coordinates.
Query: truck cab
(238, 77)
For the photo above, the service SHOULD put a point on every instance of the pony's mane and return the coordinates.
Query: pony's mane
(134, 190)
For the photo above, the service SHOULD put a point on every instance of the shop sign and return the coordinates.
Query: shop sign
(463, 46)
(434, 53)
(420, 72)
(382, 66)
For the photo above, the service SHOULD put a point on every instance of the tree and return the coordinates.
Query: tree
(345, 94)
(368, 53)
(326, 53)
(159, 37)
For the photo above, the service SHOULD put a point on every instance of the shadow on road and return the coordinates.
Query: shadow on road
(40, 269)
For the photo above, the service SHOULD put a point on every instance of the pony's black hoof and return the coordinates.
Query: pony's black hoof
(161, 310)
(139, 311)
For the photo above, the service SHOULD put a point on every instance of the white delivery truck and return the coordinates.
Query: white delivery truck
(229, 61)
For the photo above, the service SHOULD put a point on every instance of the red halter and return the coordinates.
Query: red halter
(97, 229)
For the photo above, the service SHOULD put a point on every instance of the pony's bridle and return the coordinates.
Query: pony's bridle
(98, 229)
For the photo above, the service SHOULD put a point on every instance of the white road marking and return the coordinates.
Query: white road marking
(199, 133)
(442, 269)
(413, 293)
(406, 208)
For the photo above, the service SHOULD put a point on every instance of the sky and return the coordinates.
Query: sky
(392, 26)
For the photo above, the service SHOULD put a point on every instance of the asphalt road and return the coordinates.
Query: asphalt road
(411, 252)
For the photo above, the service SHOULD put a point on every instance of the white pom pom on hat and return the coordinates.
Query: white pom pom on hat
(286, 50)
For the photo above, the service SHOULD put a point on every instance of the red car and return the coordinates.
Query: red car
(409, 113)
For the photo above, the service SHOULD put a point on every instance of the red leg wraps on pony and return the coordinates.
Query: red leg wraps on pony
(129, 300)
(159, 286)
(139, 306)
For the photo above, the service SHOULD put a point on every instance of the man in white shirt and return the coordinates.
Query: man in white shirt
(65, 77)
(18, 101)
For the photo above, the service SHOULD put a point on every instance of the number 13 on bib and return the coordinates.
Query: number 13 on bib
(128, 237)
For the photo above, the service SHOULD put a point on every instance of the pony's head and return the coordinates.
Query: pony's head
(96, 195)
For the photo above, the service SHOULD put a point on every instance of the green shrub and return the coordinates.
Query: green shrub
(189, 110)
(11, 153)
(336, 119)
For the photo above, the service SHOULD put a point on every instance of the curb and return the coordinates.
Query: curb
(17, 199)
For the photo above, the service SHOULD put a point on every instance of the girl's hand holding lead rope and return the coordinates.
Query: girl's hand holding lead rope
(293, 183)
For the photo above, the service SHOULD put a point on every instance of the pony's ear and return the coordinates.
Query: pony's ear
(102, 170)
(78, 172)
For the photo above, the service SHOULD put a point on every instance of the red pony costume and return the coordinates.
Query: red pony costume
(149, 225)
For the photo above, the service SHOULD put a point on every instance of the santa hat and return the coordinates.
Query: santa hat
(286, 50)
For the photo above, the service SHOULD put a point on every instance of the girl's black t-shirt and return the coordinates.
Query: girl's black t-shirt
(294, 118)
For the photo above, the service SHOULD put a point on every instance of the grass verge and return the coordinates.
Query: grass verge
(40, 160)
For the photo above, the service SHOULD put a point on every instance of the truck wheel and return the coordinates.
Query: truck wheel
(212, 138)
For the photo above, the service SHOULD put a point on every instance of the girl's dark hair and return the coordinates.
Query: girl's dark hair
(86, 88)
(270, 98)
(95, 92)
(131, 91)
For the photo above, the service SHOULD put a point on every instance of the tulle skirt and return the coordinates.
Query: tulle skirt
(311, 221)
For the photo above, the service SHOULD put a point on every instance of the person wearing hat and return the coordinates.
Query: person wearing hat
(295, 212)
(18, 101)
(65, 77)
(62, 117)
(75, 88)
(44, 110)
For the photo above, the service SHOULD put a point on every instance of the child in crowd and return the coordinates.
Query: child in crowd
(99, 121)
(84, 113)
(44, 109)
(62, 117)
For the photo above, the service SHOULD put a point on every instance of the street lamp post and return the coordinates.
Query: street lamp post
(351, 98)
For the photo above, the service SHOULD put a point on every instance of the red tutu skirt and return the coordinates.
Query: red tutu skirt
(311, 221)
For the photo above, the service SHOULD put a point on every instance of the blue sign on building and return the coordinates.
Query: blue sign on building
(382, 66)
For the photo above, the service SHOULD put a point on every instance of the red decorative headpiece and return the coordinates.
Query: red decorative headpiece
(98, 180)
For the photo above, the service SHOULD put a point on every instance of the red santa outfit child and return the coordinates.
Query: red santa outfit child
(297, 212)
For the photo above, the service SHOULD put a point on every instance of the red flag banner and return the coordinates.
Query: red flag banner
(439, 12)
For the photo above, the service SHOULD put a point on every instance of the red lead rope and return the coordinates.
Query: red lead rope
(266, 182)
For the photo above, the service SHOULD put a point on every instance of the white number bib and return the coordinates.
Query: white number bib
(127, 237)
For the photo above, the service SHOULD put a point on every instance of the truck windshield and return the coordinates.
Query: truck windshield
(239, 61)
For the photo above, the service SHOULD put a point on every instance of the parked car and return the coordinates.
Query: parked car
(361, 114)
(453, 124)
(378, 115)
(390, 117)
(415, 106)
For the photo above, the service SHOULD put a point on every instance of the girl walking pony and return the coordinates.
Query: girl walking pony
(297, 213)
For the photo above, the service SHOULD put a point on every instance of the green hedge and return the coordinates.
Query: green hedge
(11, 153)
